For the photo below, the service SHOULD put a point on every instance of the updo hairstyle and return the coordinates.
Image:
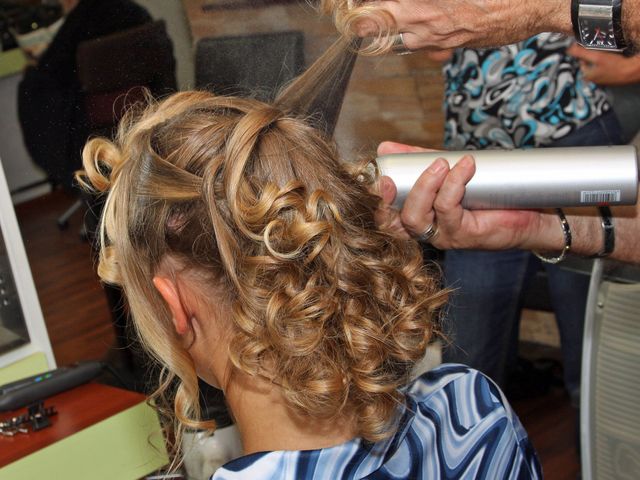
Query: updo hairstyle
(324, 303)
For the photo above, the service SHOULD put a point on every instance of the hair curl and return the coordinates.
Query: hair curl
(324, 303)
(349, 14)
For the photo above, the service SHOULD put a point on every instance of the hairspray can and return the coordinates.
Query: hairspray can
(531, 178)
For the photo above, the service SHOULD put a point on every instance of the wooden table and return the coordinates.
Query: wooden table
(99, 432)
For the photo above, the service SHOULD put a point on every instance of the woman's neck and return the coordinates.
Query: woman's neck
(267, 424)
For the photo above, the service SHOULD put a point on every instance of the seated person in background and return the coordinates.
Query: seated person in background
(50, 106)
(251, 258)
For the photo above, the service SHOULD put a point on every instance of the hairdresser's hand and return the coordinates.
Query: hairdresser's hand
(477, 23)
(436, 199)
(606, 68)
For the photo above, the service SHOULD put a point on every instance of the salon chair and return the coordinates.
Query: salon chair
(114, 71)
(259, 66)
(609, 413)
(249, 65)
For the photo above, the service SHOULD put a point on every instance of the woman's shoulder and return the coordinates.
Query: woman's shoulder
(461, 384)
(438, 377)
(464, 397)
(460, 408)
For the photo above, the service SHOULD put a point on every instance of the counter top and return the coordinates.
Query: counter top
(99, 432)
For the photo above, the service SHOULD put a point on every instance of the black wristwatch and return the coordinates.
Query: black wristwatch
(597, 24)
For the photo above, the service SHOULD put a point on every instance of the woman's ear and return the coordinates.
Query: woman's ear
(169, 291)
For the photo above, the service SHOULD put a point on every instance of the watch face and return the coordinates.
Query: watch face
(597, 33)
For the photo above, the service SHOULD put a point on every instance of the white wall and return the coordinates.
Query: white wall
(19, 169)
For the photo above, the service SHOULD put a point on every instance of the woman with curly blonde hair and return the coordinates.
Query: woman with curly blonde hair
(251, 258)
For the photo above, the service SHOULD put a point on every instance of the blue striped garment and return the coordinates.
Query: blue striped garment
(457, 424)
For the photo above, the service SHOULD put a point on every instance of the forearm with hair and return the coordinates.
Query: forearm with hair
(552, 16)
(587, 233)
(588, 237)
(509, 21)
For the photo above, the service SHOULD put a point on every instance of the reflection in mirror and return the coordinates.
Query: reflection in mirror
(13, 329)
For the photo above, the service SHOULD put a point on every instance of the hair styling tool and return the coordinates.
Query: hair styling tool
(532, 178)
(29, 390)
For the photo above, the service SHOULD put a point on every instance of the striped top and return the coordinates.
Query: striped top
(457, 424)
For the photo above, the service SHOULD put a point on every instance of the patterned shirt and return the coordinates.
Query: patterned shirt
(457, 424)
(523, 95)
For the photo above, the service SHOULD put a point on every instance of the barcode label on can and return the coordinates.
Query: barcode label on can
(600, 196)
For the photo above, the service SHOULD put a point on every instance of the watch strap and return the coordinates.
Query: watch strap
(617, 24)
(575, 21)
(608, 232)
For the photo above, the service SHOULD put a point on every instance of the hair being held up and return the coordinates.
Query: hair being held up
(256, 205)
(350, 16)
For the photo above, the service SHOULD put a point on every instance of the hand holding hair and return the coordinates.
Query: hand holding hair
(451, 24)
(439, 25)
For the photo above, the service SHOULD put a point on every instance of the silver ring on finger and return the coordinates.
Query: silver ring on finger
(429, 234)
(398, 46)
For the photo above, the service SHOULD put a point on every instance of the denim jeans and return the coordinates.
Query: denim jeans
(483, 317)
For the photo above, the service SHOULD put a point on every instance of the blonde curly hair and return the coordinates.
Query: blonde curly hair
(349, 14)
(325, 304)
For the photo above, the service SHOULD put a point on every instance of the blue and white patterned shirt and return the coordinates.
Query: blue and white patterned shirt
(528, 94)
(457, 424)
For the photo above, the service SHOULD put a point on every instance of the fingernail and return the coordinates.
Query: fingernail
(437, 166)
(466, 161)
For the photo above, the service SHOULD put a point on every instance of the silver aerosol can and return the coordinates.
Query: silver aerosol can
(531, 178)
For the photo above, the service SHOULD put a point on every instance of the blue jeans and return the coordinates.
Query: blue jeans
(483, 317)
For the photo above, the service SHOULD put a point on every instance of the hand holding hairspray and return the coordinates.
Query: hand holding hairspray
(532, 178)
